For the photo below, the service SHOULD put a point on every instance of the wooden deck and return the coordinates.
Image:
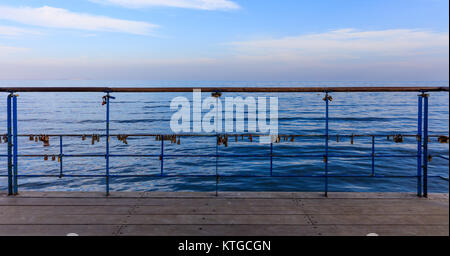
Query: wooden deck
(231, 213)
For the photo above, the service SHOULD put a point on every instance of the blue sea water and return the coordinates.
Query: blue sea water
(299, 113)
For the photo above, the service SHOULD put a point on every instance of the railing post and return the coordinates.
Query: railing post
(271, 158)
(15, 145)
(60, 156)
(217, 95)
(162, 155)
(327, 98)
(419, 146)
(373, 156)
(217, 162)
(425, 145)
(106, 99)
(9, 138)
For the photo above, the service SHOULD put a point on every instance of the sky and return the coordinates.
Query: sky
(225, 40)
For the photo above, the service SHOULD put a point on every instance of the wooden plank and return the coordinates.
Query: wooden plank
(62, 219)
(371, 219)
(389, 230)
(225, 230)
(303, 219)
(43, 201)
(218, 230)
(58, 230)
(93, 210)
(83, 219)
(282, 230)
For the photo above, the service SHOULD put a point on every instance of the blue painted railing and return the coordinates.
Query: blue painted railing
(422, 136)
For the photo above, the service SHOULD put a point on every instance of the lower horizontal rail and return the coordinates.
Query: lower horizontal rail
(220, 155)
(233, 135)
(213, 175)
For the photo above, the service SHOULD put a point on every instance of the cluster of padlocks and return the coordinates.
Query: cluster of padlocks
(221, 139)
(53, 157)
(174, 139)
(45, 139)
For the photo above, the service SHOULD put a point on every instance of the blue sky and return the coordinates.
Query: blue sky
(224, 39)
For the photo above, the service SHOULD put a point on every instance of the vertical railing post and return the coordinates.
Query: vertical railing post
(15, 145)
(9, 138)
(217, 95)
(425, 145)
(271, 158)
(162, 155)
(60, 156)
(373, 156)
(217, 162)
(327, 98)
(419, 146)
(106, 99)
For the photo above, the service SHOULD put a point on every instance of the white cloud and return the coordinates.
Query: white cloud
(190, 4)
(61, 18)
(348, 54)
(347, 44)
(10, 31)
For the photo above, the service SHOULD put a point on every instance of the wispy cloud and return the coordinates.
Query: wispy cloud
(10, 31)
(190, 4)
(347, 44)
(61, 18)
(346, 54)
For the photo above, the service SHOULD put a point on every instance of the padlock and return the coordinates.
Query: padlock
(398, 138)
(292, 139)
(352, 139)
(225, 141)
(443, 139)
(46, 140)
(45, 158)
(337, 138)
(31, 138)
(53, 157)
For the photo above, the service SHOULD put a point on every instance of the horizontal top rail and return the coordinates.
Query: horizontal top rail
(225, 89)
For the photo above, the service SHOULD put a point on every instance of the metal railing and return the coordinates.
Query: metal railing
(421, 155)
